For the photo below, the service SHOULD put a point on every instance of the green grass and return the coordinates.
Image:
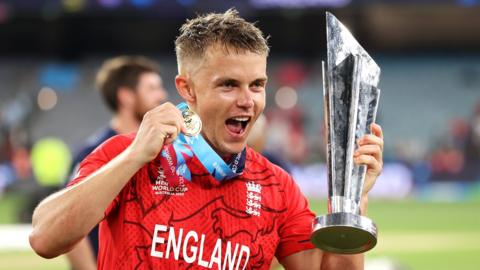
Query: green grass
(426, 216)
(10, 204)
(434, 260)
(418, 235)
(28, 260)
(419, 216)
(425, 235)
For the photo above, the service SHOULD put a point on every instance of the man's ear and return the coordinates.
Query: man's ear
(185, 88)
(125, 98)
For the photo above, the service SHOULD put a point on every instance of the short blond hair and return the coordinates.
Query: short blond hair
(226, 29)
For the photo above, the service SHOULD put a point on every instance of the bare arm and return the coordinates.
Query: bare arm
(64, 218)
(81, 257)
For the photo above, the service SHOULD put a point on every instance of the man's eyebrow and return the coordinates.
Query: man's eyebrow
(224, 80)
(260, 80)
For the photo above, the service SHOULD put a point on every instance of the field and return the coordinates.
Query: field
(428, 235)
(416, 235)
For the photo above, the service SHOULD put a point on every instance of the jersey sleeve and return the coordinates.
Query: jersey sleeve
(297, 223)
(103, 154)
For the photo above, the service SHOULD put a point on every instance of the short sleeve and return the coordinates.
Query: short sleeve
(103, 154)
(297, 223)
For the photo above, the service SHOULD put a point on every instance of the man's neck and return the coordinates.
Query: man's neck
(225, 156)
(123, 123)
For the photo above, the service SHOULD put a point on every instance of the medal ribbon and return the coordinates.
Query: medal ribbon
(185, 147)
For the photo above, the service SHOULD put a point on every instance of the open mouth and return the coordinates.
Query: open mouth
(237, 125)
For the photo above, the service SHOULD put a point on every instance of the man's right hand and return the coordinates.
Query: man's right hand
(159, 126)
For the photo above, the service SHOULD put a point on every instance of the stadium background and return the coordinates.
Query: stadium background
(426, 203)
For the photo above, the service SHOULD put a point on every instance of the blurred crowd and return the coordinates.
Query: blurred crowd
(456, 154)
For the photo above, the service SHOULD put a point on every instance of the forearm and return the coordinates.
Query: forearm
(332, 261)
(364, 205)
(81, 257)
(337, 261)
(64, 218)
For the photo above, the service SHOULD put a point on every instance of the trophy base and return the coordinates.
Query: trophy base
(344, 233)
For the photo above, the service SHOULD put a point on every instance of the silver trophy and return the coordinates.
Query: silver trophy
(351, 100)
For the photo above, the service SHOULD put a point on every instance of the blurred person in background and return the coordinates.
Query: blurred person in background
(456, 156)
(472, 144)
(475, 130)
(222, 62)
(130, 86)
(257, 140)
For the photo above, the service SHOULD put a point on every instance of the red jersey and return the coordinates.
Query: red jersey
(239, 223)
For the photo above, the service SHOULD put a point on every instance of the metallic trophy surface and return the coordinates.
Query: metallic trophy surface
(351, 100)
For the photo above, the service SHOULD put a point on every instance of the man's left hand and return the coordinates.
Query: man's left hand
(370, 153)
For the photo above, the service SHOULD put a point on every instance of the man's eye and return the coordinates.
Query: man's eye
(258, 86)
(228, 84)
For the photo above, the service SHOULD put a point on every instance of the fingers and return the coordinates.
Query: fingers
(167, 115)
(371, 139)
(369, 149)
(374, 166)
(170, 125)
(376, 130)
(159, 126)
(375, 138)
(370, 153)
(170, 133)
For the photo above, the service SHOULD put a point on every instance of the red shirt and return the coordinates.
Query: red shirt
(239, 223)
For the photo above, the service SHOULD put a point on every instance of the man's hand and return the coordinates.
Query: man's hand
(370, 153)
(159, 126)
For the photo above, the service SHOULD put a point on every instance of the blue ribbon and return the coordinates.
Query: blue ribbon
(189, 146)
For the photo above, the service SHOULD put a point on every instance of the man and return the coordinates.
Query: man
(130, 86)
(155, 216)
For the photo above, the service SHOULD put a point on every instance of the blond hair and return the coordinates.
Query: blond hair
(226, 29)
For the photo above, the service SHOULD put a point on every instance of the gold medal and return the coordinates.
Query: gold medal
(192, 122)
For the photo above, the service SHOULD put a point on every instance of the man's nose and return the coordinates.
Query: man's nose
(245, 98)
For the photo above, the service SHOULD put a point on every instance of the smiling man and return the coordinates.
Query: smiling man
(165, 200)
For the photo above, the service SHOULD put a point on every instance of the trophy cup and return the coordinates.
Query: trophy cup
(351, 100)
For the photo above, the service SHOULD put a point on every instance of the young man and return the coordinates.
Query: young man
(155, 217)
(130, 86)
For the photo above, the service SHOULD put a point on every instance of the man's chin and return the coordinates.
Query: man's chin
(236, 148)
(228, 149)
